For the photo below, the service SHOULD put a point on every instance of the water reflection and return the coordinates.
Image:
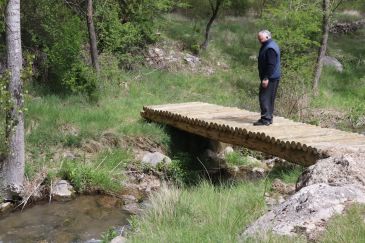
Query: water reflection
(79, 220)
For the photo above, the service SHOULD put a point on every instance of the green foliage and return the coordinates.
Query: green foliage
(357, 115)
(57, 39)
(124, 28)
(202, 9)
(82, 79)
(107, 236)
(288, 174)
(181, 170)
(296, 27)
(351, 4)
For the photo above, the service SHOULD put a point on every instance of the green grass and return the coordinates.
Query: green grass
(201, 214)
(204, 213)
(349, 227)
(287, 175)
(103, 173)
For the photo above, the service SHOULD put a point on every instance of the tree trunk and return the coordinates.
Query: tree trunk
(215, 10)
(92, 36)
(12, 168)
(323, 48)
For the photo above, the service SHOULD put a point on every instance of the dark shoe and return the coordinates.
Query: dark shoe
(261, 123)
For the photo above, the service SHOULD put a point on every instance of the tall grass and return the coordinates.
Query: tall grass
(204, 213)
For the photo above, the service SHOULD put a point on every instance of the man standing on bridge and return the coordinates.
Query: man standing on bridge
(269, 72)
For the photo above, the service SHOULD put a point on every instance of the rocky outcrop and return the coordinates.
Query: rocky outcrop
(172, 56)
(345, 170)
(137, 188)
(343, 28)
(307, 211)
(323, 190)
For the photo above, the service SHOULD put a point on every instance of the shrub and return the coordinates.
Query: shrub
(125, 29)
(57, 39)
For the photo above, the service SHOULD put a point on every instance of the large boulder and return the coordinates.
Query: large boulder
(323, 190)
(332, 62)
(307, 211)
(347, 169)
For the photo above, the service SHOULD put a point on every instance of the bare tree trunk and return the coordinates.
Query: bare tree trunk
(323, 48)
(92, 36)
(12, 168)
(215, 10)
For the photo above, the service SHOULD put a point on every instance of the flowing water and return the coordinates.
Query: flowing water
(79, 220)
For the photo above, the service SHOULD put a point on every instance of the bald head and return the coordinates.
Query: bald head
(263, 36)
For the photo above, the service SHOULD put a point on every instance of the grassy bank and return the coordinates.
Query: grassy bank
(204, 213)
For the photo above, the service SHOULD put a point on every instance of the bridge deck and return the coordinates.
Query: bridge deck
(297, 142)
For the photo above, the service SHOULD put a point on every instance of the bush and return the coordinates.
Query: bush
(125, 29)
(57, 39)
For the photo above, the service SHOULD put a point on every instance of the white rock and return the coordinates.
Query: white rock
(253, 160)
(259, 171)
(332, 62)
(128, 199)
(68, 155)
(352, 12)
(307, 211)
(193, 61)
(228, 150)
(326, 188)
(118, 239)
(62, 191)
(5, 207)
(133, 208)
(155, 158)
(253, 58)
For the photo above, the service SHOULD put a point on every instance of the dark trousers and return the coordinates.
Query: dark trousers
(267, 99)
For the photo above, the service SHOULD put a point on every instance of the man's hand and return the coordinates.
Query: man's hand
(265, 83)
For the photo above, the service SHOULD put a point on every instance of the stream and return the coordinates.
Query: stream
(83, 219)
